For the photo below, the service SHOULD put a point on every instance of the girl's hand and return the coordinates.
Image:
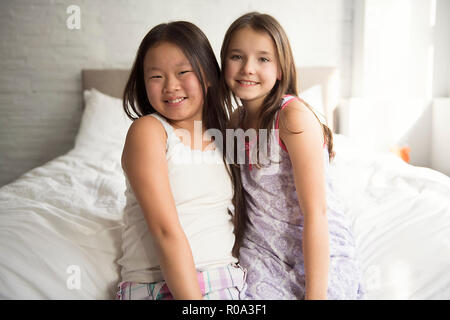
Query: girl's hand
(318, 296)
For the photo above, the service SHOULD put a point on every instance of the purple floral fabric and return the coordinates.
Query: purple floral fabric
(272, 248)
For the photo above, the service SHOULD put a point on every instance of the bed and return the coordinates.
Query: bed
(60, 223)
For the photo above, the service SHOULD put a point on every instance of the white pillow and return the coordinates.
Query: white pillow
(104, 124)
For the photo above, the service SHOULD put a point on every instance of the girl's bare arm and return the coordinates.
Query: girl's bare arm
(306, 154)
(144, 163)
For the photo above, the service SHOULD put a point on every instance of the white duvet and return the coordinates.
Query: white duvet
(401, 222)
(60, 224)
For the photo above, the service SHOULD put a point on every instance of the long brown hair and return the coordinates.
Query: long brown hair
(197, 49)
(272, 102)
(288, 82)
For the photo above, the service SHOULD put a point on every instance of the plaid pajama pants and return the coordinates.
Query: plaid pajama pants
(224, 283)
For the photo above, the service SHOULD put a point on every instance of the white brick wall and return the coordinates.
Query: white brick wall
(41, 59)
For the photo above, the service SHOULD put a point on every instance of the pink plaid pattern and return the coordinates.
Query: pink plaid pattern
(225, 283)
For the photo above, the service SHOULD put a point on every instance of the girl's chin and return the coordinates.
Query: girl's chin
(245, 98)
(182, 115)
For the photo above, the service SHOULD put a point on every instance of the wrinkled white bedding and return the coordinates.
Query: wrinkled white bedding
(401, 221)
(60, 223)
(62, 214)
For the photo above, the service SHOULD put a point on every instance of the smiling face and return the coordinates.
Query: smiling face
(251, 67)
(172, 86)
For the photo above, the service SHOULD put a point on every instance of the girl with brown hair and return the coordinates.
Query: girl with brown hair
(297, 242)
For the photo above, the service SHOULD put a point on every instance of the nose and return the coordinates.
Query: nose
(171, 84)
(248, 67)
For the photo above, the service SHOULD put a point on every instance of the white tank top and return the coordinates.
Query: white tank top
(202, 191)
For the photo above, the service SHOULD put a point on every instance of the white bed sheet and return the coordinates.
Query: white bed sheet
(65, 213)
(68, 213)
(401, 221)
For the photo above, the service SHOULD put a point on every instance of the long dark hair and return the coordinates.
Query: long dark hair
(288, 82)
(197, 49)
(272, 103)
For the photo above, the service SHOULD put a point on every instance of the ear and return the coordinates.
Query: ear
(279, 74)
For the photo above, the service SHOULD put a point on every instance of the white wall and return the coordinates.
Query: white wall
(400, 63)
(441, 43)
(440, 137)
(41, 59)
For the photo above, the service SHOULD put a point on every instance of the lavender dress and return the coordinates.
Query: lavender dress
(272, 249)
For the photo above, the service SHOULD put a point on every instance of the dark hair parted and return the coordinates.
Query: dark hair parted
(288, 83)
(197, 49)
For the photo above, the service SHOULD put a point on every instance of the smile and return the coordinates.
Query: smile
(246, 83)
(175, 101)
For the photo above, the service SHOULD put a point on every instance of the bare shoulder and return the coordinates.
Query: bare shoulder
(147, 123)
(296, 116)
(146, 135)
